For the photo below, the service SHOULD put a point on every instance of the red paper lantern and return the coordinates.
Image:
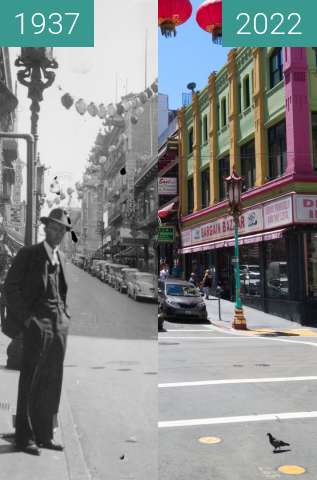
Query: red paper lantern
(209, 18)
(172, 13)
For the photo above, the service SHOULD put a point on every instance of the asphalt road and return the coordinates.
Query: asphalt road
(217, 429)
(110, 380)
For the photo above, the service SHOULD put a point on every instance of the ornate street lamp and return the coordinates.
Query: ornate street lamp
(36, 76)
(234, 188)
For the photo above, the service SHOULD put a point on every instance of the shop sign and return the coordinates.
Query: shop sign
(186, 237)
(166, 234)
(278, 213)
(249, 222)
(306, 208)
(167, 186)
(16, 217)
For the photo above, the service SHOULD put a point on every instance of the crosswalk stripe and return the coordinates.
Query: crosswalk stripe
(236, 380)
(239, 419)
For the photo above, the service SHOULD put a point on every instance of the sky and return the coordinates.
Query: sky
(102, 74)
(189, 57)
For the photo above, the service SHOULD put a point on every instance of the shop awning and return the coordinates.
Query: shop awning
(167, 210)
(261, 237)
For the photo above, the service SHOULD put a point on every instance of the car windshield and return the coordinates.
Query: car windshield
(178, 290)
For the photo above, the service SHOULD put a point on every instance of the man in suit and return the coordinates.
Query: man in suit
(35, 292)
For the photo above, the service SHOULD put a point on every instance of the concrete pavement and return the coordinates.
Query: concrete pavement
(68, 465)
(257, 322)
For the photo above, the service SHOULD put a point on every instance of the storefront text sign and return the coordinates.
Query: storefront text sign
(278, 213)
(250, 221)
(167, 186)
(306, 208)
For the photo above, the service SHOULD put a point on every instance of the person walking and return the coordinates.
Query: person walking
(35, 294)
(206, 284)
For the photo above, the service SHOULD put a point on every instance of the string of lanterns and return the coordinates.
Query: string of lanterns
(111, 113)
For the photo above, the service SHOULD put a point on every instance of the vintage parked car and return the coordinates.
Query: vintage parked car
(113, 269)
(142, 285)
(117, 275)
(179, 299)
(123, 277)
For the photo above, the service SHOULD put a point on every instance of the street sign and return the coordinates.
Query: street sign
(166, 234)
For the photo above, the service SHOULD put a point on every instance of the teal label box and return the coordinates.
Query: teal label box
(49, 23)
(266, 23)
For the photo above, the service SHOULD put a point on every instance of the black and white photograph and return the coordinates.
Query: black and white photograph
(78, 253)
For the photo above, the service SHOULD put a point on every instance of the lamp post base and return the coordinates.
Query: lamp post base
(239, 321)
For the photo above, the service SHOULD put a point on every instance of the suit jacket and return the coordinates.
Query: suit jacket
(26, 282)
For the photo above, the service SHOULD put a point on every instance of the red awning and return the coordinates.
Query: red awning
(167, 210)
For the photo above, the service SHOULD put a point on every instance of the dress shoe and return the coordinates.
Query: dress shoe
(28, 447)
(52, 445)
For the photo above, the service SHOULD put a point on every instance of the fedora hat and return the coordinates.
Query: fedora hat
(58, 215)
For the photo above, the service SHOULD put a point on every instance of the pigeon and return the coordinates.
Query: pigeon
(277, 444)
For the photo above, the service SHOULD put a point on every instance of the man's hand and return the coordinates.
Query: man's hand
(27, 322)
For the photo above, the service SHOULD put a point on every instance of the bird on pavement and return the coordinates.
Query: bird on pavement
(277, 444)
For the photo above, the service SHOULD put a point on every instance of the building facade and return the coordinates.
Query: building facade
(258, 115)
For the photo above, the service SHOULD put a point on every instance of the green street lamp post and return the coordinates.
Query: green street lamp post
(234, 188)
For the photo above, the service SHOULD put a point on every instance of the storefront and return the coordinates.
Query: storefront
(278, 255)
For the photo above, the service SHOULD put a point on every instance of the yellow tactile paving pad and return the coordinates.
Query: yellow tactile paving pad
(291, 469)
(209, 440)
(298, 332)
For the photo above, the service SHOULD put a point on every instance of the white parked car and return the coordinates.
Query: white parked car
(142, 285)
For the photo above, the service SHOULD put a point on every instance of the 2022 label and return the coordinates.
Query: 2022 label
(276, 24)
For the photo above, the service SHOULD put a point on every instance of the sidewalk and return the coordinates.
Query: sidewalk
(258, 322)
(49, 465)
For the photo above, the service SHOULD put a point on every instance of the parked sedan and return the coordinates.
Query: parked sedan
(179, 299)
(142, 285)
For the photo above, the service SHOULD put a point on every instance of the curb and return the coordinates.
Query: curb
(75, 460)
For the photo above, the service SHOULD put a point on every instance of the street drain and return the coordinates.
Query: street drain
(237, 365)
(150, 373)
(262, 365)
(168, 343)
(124, 370)
(70, 366)
(97, 368)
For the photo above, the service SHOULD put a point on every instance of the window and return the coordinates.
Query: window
(240, 97)
(250, 272)
(247, 161)
(311, 262)
(190, 140)
(190, 195)
(223, 112)
(223, 171)
(276, 269)
(218, 116)
(205, 188)
(314, 138)
(246, 92)
(276, 67)
(205, 129)
(277, 149)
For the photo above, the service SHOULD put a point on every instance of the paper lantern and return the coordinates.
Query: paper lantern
(209, 18)
(92, 109)
(172, 13)
(81, 106)
(67, 101)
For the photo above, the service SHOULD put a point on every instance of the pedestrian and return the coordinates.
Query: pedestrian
(193, 278)
(164, 272)
(206, 284)
(35, 293)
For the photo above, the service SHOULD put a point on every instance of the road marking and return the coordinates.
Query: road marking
(239, 419)
(183, 330)
(292, 469)
(209, 440)
(236, 336)
(236, 380)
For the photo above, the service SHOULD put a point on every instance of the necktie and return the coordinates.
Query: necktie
(55, 257)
